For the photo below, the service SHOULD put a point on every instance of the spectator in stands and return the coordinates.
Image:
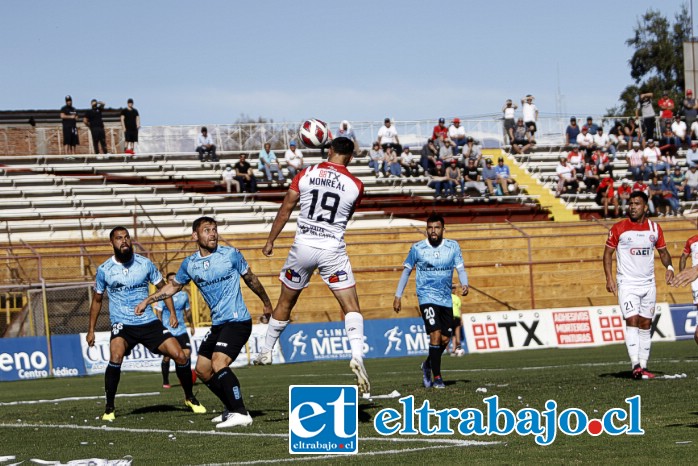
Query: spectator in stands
(523, 139)
(593, 127)
(294, 159)
(387, 136)
(652, 154)
(93, 120)
(666, 110)
(585, 141)
(130, 124)
(409, 162)
(269, 164)
(456, 133)
(489, 176)
(229, 178)
(605, 196)
(572, 132)
(679, 179)
(205, 145)
(392, 163)
(445, 150)
(346, 131)
(438, 180)
(509, 110)
(667, 149)
(429, 155)
(655, 192)
(692, 155)
(679, 130)
(472, 178)
(690, 108)
(566, 178)
(455, 178)
(440, 131)
(646, 110)
(472, 151)
(602, 141)
(376, 160)
(638, 163)
(645, 188)
(616, 135)
(575, 159)
(591, 177)
(694, 130)
(245, 175)
(507, 184)
(530, 114)
(69, 119)
(632, 132)
(691, 186)
(624, 191)
(671, 195)
(602, 162)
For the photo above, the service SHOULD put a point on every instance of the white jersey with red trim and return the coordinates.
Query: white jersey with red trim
(691, 249)
(634, 244)
(329, 194)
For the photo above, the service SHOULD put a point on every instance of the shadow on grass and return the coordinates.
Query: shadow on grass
(156, 409)
(625, 374)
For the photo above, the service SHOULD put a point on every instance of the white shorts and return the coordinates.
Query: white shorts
(637, 301)
(302, 260)
(694, 289)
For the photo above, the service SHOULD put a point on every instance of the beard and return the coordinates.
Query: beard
(435, 242)
(123, 257)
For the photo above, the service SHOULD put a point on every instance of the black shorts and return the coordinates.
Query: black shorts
(522, 142)
(456, 321)
(531, 126)
(509, 123)
(227, 338)
(131, 135)
(70, 137)
(437, 317)
(151, 335)
(183, 340)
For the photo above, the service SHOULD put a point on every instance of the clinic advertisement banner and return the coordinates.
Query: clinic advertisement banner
(27, 358)
(685, 318)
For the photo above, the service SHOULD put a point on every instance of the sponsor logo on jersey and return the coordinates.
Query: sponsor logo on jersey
(292, 276)
(641, 252)
(340, 276)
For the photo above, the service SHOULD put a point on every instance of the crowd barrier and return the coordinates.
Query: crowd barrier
(28, 358)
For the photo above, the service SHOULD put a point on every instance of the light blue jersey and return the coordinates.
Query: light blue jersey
(434, 270)
(218, 278)
(181, 304)
(127, 286)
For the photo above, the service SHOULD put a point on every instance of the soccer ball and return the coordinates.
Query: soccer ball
(512, 188)
(460, 352)
(314, 133)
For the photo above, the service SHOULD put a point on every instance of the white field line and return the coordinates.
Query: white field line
(75, 398)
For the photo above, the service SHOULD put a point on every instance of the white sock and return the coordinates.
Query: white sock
(645, 345)
(354, 326)
(273, 332)
(632, 342)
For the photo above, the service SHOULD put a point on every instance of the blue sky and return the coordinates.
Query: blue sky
(209, 62)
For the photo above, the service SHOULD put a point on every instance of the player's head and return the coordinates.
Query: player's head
(205, 233)
(170, 277)
(121, 242)
(342, 148)
(435, 229)
(637, 206)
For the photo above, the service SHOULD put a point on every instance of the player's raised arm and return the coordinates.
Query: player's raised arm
(164, 293)
(282, 216)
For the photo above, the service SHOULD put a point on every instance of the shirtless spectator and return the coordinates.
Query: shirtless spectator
(509, 110)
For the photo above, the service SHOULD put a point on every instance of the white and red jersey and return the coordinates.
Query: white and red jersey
(634, 244)
(329, 194)
(691, 248)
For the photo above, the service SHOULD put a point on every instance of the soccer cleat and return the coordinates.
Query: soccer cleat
(263, 358)
(108, 414)
(195, 406)
(234, 420)
(438, 383)
(426, 374)
(637, 372)
(647, 374)
(166, 385)
(357, 367)
(220, 417)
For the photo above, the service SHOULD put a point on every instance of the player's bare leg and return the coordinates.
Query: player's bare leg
(277, 323)
(354, 326)
(172, 349)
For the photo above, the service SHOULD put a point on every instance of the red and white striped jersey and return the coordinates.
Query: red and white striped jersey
(329, 194)
(692, 249)
(634, 244)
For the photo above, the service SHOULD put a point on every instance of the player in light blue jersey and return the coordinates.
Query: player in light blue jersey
(216, 271)
(125, 277)
(434, 258)
(176, 323)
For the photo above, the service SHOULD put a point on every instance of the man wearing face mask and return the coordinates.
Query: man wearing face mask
(93, 120)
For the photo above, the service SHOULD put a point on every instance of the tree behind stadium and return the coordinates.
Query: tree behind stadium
(657, 62)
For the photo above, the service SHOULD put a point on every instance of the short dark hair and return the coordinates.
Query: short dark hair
(342, 146)
(640, 194)
(171, 274)
(434, 217)
(200, 220)
(203, 128)
(114, 230)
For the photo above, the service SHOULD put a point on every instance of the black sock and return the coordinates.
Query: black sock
(230, 388)
(111, 382)
(216, 389)
(435, 359)
(184, 376)
(165, 367)
(443, 348)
